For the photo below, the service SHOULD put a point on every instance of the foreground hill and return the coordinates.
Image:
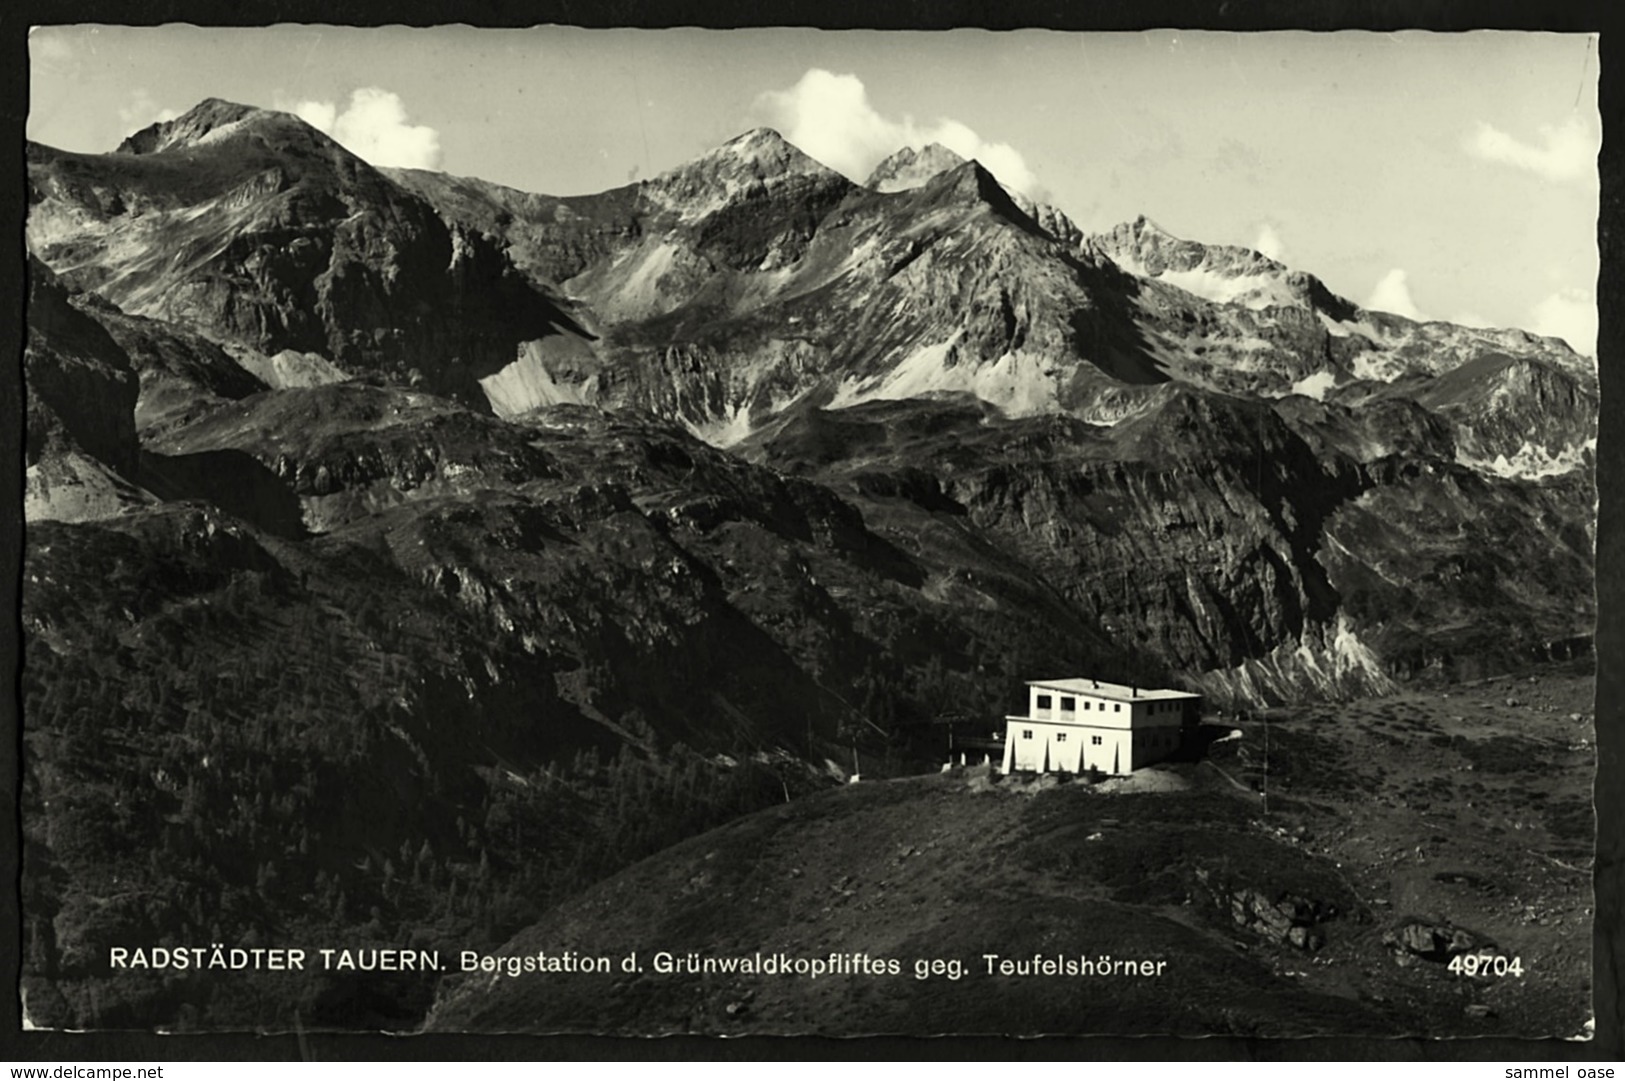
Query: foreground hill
(1320, 910)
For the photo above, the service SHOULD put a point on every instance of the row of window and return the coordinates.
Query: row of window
(1060, 737)
(1070, 705)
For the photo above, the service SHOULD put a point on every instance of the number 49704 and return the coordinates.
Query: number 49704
(1485, 964)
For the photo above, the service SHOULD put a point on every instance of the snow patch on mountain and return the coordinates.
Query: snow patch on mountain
(1349, 655)
(922, 371)
(1254, 291)
(527, 384)
(726, 430)
(1019, 383)
(1378, 367)
(288, 368)
(1343, 328)
(1315, 385)
(73, 487)
(639, 295)
(225, 132)
(1330, 660)
(1533, 462)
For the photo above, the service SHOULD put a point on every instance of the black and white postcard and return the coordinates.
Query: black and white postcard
(777, 531)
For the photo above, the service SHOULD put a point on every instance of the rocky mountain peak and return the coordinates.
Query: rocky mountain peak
(748, 166)
(1221, 273)
(1146, 248)
(972, 180)
(911, 168)
(760, 154)
(1145, 227)
(210, 117)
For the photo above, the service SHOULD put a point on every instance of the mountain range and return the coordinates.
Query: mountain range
(416, 510)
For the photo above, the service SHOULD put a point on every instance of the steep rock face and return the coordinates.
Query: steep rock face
(1253, 548)
(1193, 532)
(1518, 416)
(1224, 275)
(1462, 573)
(1328, 340)
(181, 372)
(81, 453)
(256, 230)
(608, 539)
(896, 296)
(549, 238)
(346, 451)
(729, 288)
(79, 381)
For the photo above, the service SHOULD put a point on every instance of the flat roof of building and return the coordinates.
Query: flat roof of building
(1099, 688)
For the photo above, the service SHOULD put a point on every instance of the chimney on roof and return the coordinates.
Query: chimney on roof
(1134, 690)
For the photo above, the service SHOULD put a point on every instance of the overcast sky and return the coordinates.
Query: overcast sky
(1446, 176)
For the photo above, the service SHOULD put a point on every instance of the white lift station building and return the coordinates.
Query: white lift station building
(1078, 725)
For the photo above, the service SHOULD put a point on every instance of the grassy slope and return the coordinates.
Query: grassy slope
(926, 868)
(951, 867)
(1471, 804)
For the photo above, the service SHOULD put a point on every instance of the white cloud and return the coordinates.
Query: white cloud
(141, 111)
(1568, 151)
(1269, 243)
(1570, 315)
(1393, 294)
(374, 127)
(829, 117)
(318, 114)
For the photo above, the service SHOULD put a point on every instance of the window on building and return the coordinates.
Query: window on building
(1085, 703)
(1026, 733)
(1117, 707)
(1060, 737)
(1069, 704)
(1094, 741)
(1044, 701)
